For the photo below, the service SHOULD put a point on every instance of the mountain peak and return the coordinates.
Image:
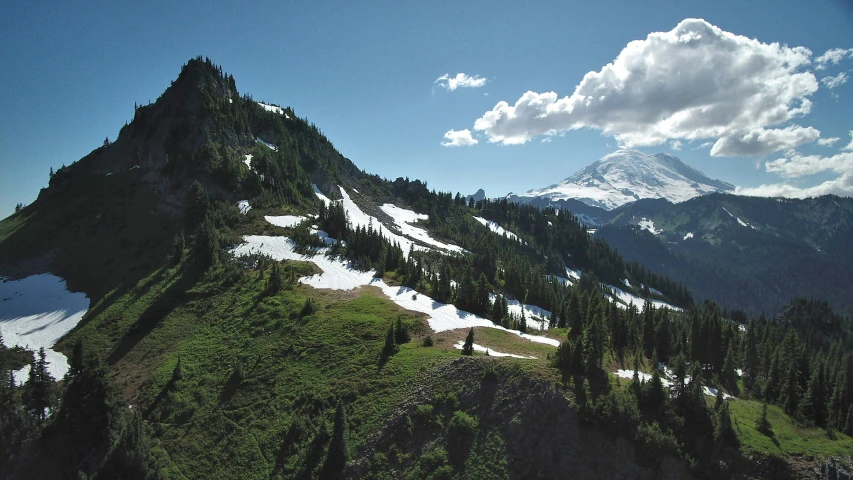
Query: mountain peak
(627, 175)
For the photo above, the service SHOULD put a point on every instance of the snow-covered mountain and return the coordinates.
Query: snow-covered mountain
(628, 175)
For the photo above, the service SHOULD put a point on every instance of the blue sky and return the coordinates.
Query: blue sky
(365, 74)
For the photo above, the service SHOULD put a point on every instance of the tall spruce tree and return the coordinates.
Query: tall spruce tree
(338, 451)
(468, 346)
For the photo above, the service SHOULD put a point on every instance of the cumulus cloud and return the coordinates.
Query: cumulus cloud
(458, 138)
(797, 165)
(827, 142)
(693, 82)
(760, 142)
(849, 146)
(842, 186)
(675, 145)
(832, 57)
(461, 80)
(832, 82)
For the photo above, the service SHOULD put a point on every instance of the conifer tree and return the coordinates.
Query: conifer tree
(338, 452)
(762, 424)
(848, 425)
(401, 332)
(468, 346)
(723, 431)
(389, 348)
(37, 394)
(76, 363)
(275, 282)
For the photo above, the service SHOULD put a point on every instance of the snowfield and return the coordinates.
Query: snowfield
(493, 226)
(482, 349)
(271, 146)
(248, 160)
(244, 206)
(36, 312)
(340, 275)
(404, 218)
(320, 195)
(535, 317)
(285, 221)
(689, 235)
(638, 302)
(273, 108)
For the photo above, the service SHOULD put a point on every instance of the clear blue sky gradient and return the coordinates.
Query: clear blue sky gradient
(364, 72)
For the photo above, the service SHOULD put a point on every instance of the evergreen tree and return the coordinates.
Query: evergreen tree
(38, 390)
(338, 452)
(206, 249)
(724, 434)
(275, 282)
(76, 364)
(178, 245)
(762, 424)
(401, 333)
(390, 347)
(468, 346)
(729, 377)
(848, 425)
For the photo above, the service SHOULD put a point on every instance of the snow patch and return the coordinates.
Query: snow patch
(628, 299)
(404, 219)
(493, 226)
(248, 160)
(535, 317)
(689, 235)
(273, 108)
(285, 221)
(492, 353)
(244, 206)
(320, 195)
(36, 312)
(269, 145)
(649, 225)
(340, 275)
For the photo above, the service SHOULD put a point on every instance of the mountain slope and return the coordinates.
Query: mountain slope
(628, 175)
(747, 253)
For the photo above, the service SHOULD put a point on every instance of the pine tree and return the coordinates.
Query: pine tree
(848, 425)
(468, 346)
(178, 245)
(728, 375)
(275, 282)
(206, 248)
(762, 424)
(338, 452)
(38, 391)
(401, 333)
(76, 364)
(724, 434)
(389, 348)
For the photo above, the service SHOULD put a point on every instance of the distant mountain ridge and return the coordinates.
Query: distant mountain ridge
(626, 176)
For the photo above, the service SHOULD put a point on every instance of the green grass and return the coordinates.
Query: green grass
(788, 438)
(295, 368)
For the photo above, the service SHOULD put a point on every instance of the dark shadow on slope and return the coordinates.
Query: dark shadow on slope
(152, 316)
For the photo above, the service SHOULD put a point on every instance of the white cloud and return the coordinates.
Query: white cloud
(760, 142)
(832, 82)
(693, 82)
(461, 80)
(796, 165)
(704, 145)
(842, 186)
(675, 145)
(849, 146)
(827, 142)
(832, 56)
(459, 138)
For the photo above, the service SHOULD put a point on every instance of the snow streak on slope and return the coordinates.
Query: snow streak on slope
(340, 275)
(638, 302)
(271, 146)
(741, 222)
(360, 219)
(535, 317)
(248, 160)
(403, 218)
(493, 226)
(273, 108)
(320, 195)
(689, 235)
(493, 353)
(645, 377)
(285, 221)
(628, 175)
(36, 312)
